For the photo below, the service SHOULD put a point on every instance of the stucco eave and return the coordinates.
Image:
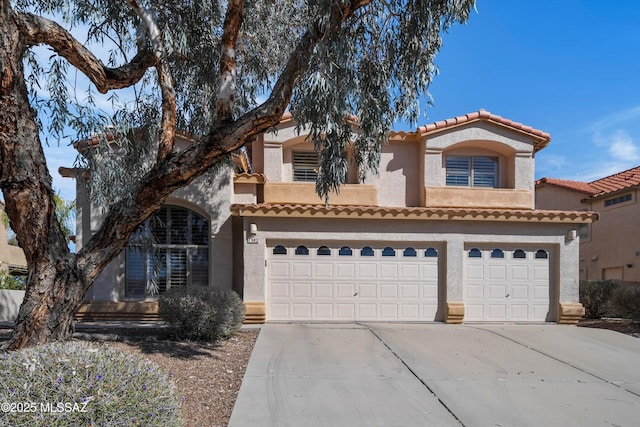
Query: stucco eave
(413, 213)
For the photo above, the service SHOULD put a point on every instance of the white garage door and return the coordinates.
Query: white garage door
(348, 282)
(503, 284)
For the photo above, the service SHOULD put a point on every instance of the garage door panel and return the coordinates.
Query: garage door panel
(362, 287)
(513, 288)
(410, 291)
(519, 292)
(496, 291)
(345, 290)
(410, 271)
(388, 271)
(302, 290)
(302, 270)
(496, 272)
(519, 272)
(388, 311)
(346, 270)
(323, 311)
(280, 290)
(367, 270)
(302, 311)
(324, 290)
(368, 290)
(280, 270)
(389, 290)
(323, 270)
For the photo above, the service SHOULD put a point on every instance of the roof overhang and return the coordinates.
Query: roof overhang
(413, 213)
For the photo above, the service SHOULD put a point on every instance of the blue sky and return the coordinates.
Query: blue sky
(567, 67)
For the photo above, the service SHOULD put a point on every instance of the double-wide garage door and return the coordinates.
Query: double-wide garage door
(347, 282)
(506, 284)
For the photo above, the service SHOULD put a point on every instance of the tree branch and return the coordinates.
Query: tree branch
(165, 81)
(39, 30)
(228, 63)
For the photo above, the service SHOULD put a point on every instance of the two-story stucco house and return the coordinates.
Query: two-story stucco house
(446, 232)
(610, 248)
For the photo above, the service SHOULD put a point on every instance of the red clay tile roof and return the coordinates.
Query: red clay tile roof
(542, 138)
(600, 187)
(583, 187)
(415, 213)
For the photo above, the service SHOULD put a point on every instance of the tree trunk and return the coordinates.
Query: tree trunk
(55, 286)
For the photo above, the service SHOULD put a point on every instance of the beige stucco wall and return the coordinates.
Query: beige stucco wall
(612, 246)
(449, 236)
(305, 193)
(210, 198)
(9, 255)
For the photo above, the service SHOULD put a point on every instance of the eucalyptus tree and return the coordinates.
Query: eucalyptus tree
(223, 71)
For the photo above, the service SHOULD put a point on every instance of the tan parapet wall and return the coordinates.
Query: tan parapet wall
(492, 198)
(570, 313)
(454, 312)
(305, 194)
(256, 312)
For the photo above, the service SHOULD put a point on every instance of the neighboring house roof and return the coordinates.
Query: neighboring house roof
(415, 213)
(601, 187)
(542, 138)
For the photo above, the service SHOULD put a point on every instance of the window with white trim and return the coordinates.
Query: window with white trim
(169, 249)
(305, 166)
(472, 171)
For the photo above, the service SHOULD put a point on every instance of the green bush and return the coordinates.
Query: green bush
(201, 313)
(596, 298)
(76, 383)
(626, 301)
(8, 281)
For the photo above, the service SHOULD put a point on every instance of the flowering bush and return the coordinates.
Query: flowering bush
(76, 383)
(201, 313)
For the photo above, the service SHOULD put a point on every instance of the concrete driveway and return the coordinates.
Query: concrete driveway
(440, 375)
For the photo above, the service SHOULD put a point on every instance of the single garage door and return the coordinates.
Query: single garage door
(348, 282)
(506, 284)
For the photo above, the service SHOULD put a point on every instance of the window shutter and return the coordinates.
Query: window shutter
(484, 172)
(305, 166)
(458, 170)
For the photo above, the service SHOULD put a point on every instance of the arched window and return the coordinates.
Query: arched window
(345, 251)
(409, 252)
(542, 254)
(279, 250)
(366, 251)
(388, 251)
(302, 250)
(169, 249)
(519, 254)
(497, 253)
(475, 253)
(323, 250)
(431, 253)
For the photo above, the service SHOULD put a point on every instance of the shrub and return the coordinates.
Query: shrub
(626, 301)
(596, 298)
(76, 383)
(7, 281)
(201, 313)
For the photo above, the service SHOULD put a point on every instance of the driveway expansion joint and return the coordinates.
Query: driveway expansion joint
(397, 356)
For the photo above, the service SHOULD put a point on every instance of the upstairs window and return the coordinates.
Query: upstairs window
(305, 166)
(617, 200)
(472, 171)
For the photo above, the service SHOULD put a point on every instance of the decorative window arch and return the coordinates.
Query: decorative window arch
(279, 250)
(475, 253)
(302, 250)
(170, 249)
(366, 251)
(323, 250)
(431, 253)
(541, 254)
(497, 253)
(345, 251)
(519, 254)
(388, 251)
(409, 252)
